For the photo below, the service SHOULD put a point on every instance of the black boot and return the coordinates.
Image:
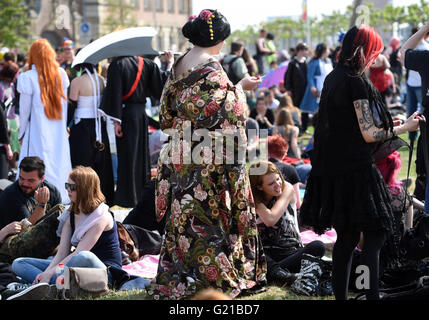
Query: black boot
(276, 274)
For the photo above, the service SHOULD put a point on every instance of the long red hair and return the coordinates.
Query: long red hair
(43, 56)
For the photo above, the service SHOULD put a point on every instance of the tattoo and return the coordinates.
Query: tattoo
(380, 135)
(365, 121)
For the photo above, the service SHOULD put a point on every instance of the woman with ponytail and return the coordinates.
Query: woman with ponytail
(43, 114)
(351, 195)
(89, 142)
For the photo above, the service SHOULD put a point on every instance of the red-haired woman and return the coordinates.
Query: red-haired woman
(43, 114)
(350, 194)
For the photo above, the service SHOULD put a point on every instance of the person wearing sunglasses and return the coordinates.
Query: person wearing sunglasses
(87, 225)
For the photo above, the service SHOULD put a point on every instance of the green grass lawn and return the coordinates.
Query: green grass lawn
(276, 292)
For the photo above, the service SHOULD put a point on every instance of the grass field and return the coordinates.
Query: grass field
(275, 292)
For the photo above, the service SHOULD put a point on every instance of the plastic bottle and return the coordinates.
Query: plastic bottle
(60, 276)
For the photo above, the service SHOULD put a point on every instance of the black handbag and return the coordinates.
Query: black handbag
(414, 244)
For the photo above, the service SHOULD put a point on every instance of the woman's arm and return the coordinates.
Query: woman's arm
(74, 89)
(409, 218)
(371, 133)
(311, 73)
(294, 142)
(270, 216)
(62, 252)
(25, 101)
(298, 200)
(11, 228)
(413, 42)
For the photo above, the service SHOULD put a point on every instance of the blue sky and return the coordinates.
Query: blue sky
(251, 12)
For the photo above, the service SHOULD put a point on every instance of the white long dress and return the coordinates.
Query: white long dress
(43, 137)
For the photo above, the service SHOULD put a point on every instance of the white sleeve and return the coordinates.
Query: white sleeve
(25, 101)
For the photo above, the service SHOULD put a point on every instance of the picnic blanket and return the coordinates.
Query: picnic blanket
(145, 267)
(328, 238)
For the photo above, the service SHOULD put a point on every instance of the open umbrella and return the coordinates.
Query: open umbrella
(275, 77)
(126, 42)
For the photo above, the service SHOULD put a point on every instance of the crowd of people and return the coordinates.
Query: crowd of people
(80, 137)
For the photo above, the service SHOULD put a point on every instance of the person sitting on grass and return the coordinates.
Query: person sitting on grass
(88, 226)
(275, 199)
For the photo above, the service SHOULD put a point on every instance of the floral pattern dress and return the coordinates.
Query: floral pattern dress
(211, 236)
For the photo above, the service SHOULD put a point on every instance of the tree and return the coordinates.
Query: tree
(14, 22)
(120, 13)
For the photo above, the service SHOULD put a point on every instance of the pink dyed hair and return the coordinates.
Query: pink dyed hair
(389, 168)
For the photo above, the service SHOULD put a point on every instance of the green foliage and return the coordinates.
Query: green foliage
(14, 24)
(120, 14)
(327, 26)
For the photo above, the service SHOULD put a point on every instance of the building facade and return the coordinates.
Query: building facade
(85, 20)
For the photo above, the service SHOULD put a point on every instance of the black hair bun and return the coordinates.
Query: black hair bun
(198, 29)
(188, 30)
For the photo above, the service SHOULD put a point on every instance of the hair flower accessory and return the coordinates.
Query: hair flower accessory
(207, 16)
(192, 18)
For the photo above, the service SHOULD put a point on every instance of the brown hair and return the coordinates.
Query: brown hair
(88, 191)
(286, 102)
(256, 181)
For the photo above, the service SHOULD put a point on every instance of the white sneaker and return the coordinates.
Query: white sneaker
(34, 292)
(17, 286)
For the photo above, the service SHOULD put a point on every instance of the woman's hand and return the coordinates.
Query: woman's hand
(249, 83)
(44, 276)
(315, 92)
(410, 125)
(289, 193)
(13, 228)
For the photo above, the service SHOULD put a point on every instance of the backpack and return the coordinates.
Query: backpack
(230, 70)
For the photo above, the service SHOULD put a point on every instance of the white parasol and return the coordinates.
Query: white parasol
(126, 42)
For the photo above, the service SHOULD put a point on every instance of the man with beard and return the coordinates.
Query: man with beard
(29, 197)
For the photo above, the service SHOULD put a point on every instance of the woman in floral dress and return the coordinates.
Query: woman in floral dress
(211, 238)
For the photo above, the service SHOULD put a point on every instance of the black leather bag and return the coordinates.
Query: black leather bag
(414, 244)
(146, 241)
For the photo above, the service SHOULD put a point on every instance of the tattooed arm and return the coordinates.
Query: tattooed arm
(371, 133)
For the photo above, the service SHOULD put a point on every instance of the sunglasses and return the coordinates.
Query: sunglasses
(70, 186)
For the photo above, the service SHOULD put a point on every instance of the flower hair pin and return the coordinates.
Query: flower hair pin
(207, 16)
(192, 18)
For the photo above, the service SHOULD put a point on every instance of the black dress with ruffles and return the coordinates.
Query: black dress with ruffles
(345, 189)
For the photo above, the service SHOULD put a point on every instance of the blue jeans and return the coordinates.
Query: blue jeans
(414, 98)
(303, 172)
(28, 268)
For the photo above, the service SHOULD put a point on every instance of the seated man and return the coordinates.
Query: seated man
(27, 198)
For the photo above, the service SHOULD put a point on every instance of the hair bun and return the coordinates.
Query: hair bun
(188, 29)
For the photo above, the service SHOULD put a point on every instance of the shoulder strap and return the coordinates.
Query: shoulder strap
(136, 81)
(72, 221)
(233, 60)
